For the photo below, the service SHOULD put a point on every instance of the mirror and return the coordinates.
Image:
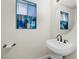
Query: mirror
(63, 18)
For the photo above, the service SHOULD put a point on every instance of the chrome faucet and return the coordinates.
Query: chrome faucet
(59, 39)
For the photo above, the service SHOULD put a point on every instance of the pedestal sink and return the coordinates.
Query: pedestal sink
(60, 49)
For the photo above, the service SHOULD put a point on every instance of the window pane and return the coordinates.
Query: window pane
(21, 8)
(31, 10)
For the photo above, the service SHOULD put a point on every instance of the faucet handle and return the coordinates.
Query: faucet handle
(65, 41)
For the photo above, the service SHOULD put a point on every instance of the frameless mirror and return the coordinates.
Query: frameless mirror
(63, 18)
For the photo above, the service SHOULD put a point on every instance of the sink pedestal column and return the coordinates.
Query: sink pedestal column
(55, 56)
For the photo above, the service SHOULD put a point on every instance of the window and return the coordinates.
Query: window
(25, 15)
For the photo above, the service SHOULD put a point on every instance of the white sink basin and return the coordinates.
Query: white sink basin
(60, 48)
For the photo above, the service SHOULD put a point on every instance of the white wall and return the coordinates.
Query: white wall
(30, 44)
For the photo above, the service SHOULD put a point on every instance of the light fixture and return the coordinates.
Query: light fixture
(57, 0)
